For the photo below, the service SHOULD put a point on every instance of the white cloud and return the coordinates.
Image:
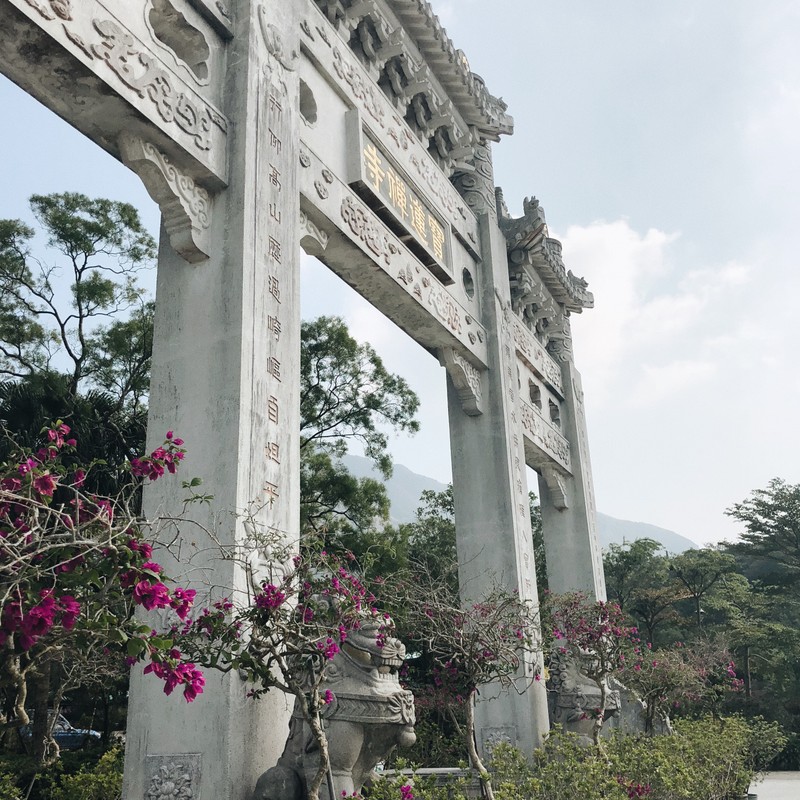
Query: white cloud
(663, 381)
(654, 320)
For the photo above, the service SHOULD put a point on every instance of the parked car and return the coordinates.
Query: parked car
(66, 736)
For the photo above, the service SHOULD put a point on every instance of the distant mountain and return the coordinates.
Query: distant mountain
(618, 531)
(405, 487)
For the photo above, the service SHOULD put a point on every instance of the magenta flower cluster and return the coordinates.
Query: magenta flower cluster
(175, 673)
(53, 533)
(634, 789)
(166, 457)
(29, 626)
(270, 598)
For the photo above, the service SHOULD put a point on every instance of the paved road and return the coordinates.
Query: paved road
(778, 786)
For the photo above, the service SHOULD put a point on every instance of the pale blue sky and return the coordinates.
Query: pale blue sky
(662, 140)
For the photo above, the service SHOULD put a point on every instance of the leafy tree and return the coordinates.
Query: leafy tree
(771, 518)
(699, 571)
(746, 617)
(107, 435)
(631, 567)
(347, 395)
(76, 329)
(52, 314)
(654, 608)
(639, 581)
(432, 537)
(336, 502)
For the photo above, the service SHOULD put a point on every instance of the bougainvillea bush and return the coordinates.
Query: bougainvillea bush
(302, 607)
(598, 636)
(74, 567)
(705, 759)
(460, 648)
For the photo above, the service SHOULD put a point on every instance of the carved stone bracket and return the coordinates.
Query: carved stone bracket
(557, 484)
(185, 206)
(466, 379)
(312, 238)
(476, 186)
(559, 337)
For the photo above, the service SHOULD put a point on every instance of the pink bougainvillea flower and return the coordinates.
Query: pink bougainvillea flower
(195, 681)
(182, 600)
(141, 547)
(45, 484)
(38, 621)
(70, 610)
(329, 648)
(186, 674)
(270, 598)
(26, 466)
(151, 595)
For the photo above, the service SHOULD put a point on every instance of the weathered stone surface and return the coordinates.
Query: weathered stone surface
(106, 71)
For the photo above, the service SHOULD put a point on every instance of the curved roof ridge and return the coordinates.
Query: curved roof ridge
(451, 68)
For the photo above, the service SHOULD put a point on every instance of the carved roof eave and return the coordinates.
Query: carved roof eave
(546, 259)
(528, 242)
(466, 89)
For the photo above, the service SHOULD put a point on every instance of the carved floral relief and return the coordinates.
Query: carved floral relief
(138, 69)
(172, 777)
(52, 8)
(367, 231)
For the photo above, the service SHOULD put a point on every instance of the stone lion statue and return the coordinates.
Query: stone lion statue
(370, 714)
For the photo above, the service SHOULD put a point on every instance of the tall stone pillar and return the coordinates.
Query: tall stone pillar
(224, 378)
(569, 522)
(489, 488)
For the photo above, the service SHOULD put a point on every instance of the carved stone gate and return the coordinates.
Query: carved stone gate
(355, 129)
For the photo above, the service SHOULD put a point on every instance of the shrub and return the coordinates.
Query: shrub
(101, 782)
(563, 769)
(8, 787)
(402, 786)
(705, 759)
(767, 742)
(435, 745)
